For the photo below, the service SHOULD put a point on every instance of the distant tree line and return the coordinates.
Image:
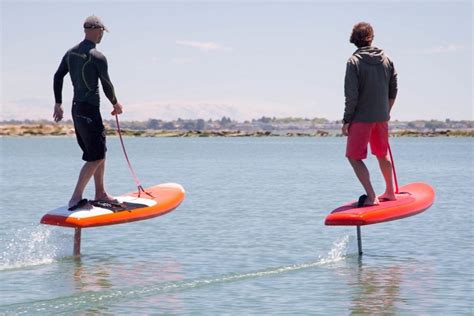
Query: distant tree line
(288, 120)
(435, 124)
(179, 124)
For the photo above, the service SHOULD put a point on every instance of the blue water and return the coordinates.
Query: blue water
(249, 237)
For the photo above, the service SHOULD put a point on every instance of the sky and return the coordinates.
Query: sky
(240, 59)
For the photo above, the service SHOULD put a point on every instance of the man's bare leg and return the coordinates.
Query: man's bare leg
(100, 193)
(85, 175)
(386, 168)
(363, 175)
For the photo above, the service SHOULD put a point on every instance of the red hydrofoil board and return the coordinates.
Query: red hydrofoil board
(161, 199)
(413, 198)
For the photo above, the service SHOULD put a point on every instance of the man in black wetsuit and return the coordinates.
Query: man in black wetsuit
(86, 66)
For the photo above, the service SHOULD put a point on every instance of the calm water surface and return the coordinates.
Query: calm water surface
(249, 238)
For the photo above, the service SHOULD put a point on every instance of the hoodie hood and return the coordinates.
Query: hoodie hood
(370, 55)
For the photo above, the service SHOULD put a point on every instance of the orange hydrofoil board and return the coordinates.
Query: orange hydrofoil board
(412, 199)
(161, 199)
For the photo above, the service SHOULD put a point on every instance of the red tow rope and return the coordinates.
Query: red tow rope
(134, 175)
(393, 168)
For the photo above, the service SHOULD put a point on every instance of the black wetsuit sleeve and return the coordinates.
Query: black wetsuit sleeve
(105, 79)
(59, 78)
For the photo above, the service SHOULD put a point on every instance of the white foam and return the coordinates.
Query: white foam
(34, 246)
(338, 252)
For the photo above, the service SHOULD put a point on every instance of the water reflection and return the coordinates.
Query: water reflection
(386, 285)
(87, 278)
(376, 290)
(132, 279)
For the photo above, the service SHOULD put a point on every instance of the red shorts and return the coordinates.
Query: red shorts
(361, 133)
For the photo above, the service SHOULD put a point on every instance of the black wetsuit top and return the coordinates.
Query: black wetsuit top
(86, 66)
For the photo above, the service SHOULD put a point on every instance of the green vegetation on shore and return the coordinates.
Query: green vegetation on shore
(303, 125)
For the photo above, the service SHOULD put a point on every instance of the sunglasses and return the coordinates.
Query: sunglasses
(92, 26)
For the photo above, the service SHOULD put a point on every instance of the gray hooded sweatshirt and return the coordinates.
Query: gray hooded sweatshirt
(371, 80)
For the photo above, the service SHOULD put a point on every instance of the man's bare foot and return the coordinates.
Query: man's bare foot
(82, 204)
(369, 202)
(387, 197)
(364, 200)
(106, 198)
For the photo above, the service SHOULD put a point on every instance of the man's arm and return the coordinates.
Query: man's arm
(58, 88)
(393, 87)
(351, 91)
(107, 85)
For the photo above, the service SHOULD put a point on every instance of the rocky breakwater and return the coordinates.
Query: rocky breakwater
(36, 130)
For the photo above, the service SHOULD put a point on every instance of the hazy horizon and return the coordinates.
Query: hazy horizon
(292, 118)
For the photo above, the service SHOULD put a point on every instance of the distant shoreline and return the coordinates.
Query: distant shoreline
(68, 130)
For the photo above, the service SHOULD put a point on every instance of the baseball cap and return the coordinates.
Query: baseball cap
(94, 22)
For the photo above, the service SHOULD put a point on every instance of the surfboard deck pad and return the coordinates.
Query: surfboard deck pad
(117, 206)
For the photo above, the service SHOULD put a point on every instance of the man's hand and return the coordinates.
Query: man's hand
(118, 109)
(345, 129)
(58, 112)
(391, 102)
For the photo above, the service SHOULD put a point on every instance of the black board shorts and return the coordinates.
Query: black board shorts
(90, 131)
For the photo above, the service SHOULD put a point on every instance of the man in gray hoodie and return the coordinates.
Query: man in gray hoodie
(370, 89)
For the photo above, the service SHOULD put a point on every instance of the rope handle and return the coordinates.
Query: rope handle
(393, 169)
(134, 175)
